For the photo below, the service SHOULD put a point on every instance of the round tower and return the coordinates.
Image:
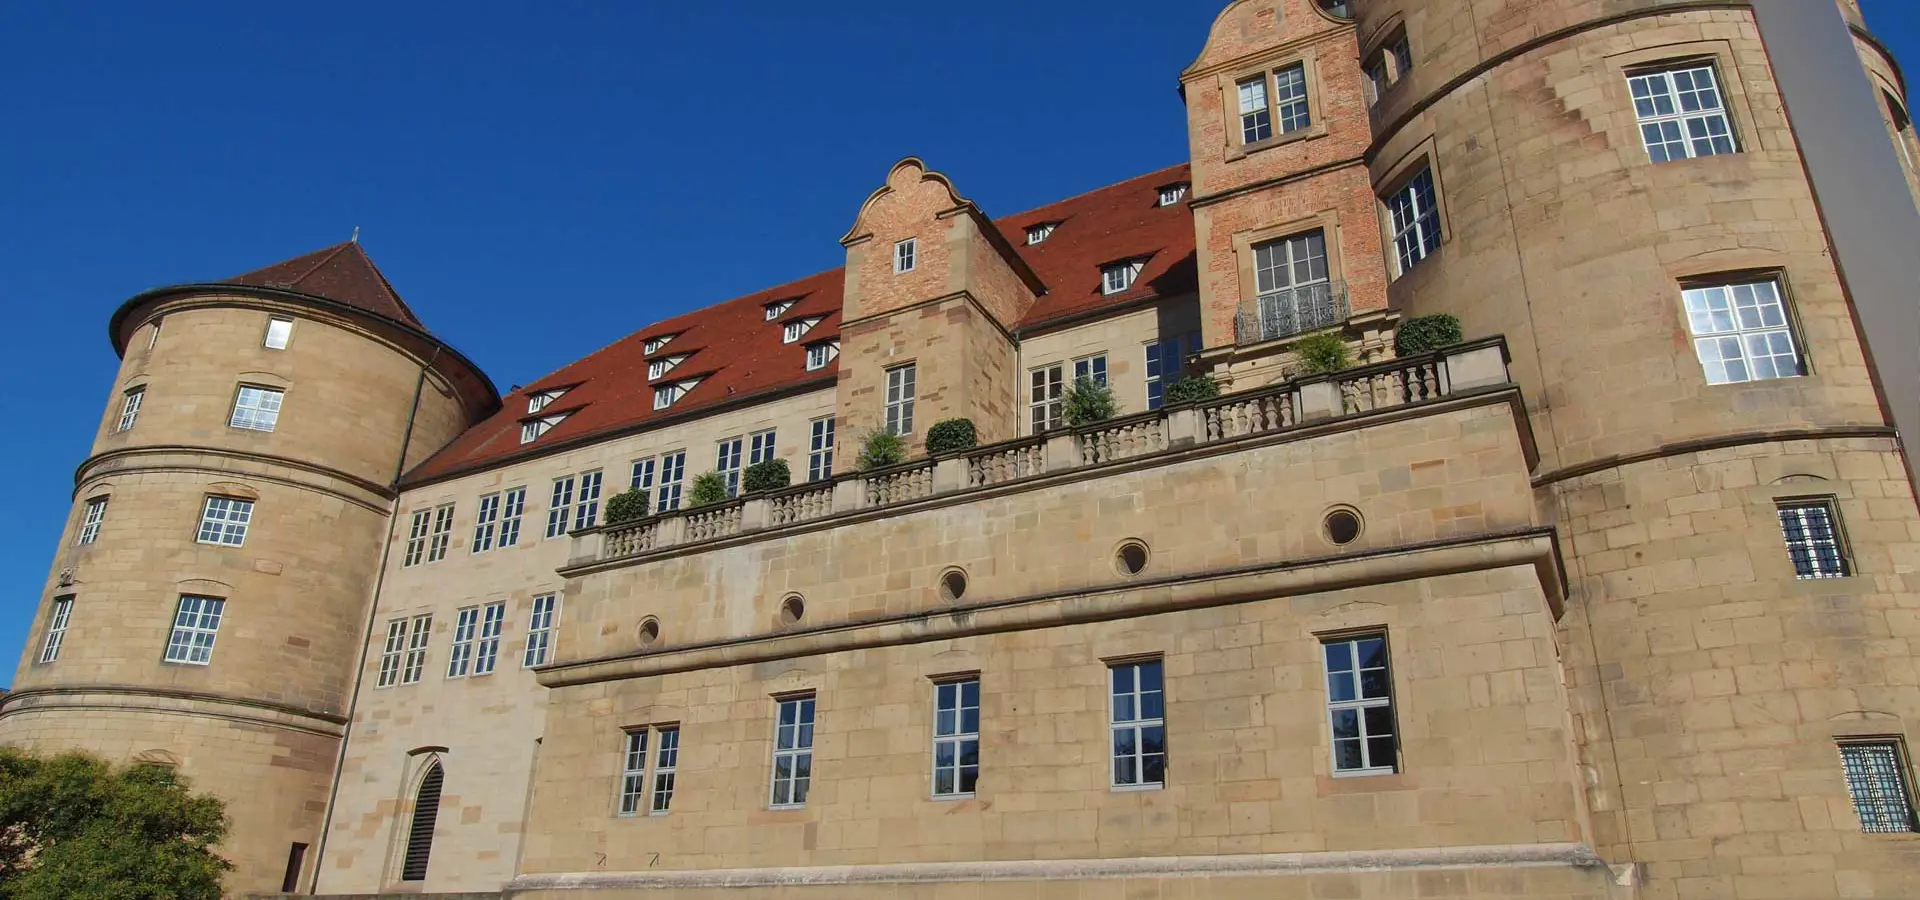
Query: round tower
(209, 600)
(1615, 188)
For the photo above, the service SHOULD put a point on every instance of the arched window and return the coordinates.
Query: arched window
(426, 809)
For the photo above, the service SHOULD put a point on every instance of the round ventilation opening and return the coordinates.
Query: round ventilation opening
(792, 609)
(649, 631)
(953, 585)
(1343, 526)
(1131, 558)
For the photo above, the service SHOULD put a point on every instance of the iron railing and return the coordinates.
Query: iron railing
(1295, 310)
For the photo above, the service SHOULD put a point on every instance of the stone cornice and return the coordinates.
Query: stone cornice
(167, 458)
(205, 704)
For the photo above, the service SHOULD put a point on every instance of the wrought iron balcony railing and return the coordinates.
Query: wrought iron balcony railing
(1295, 310)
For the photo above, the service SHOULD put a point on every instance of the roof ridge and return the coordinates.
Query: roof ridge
(1091, 191)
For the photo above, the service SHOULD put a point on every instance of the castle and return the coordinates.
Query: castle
(1612, 595)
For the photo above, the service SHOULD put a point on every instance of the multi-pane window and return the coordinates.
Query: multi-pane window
(1045, 392)
(792, 752)
(1092, 368)
(1116, 278)
(194, 627)
(1166, 362)
(956, 737)
(659, 368)
(442, 533)
(673, 474)
(560, 507)
(543, 399)
(1256, 113)
(666, 395)
(256, 408)
(1139, 724)
(818, 355)
(486, 652)
(513, 503)
(640, 481)
(1263, 98)
(586, 508)
(1416, 220)
(666, 766)
(417, 538)
(1812, 530)
(390, 653)
(1378, 80)
(778, 308)
(900, 395)
(466, 623)
(56, 628)
(540, 626)
(279, 332)
(1360, 703)
(1038, 234)
(1173, 193)
(633, 773)
(820, 450)
(904, 255)
(1402, 52)
(633, 777)
(224, 521)
(653, 344)
(1682, 112)
(1741, 333)
(486, 521)
(532, 429)
(727, 463)
(1290, 97)
(1292, 291)
(415, 662)
(130, 408)
(794, 331)
(1877, 780)
(90, 521)
(760, 447)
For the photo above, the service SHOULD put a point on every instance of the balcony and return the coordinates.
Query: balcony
(1298, 404)
(1295, 310)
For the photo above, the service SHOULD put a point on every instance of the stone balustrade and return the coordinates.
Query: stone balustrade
(1238, 416)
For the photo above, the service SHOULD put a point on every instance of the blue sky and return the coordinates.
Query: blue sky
(537, 180)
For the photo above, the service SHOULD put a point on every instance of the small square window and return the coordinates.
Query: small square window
(818, 355)
(903, 255)
(1037, 234)
(1173, 193)
(279, 332)
(1812, 532)
(1118, 277)
(1878, 783)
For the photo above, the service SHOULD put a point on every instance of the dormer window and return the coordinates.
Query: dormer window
(666, 395)
(818, 355)
(1172, 193)
(1037, 234)
(1116, 278)
(654, 344)
(540, 401)
(660, 367)
(532, 429)
(779, 308)
(905, 256)
(798, 329)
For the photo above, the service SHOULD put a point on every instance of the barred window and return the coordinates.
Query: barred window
(1877, 781)
(1360, 703)
(1682, 112)
(1139, 725)
(1812, 530)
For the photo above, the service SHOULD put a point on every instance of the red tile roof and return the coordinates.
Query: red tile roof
(742, 355)
(341, 273)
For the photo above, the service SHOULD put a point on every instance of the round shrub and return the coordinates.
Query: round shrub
(708, 488)
(1192, 390)
(1425, 334)
(1324, 352)
(626, 506)
(771, 475)
(952, 436)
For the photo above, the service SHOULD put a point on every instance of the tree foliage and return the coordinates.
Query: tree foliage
(1089, 401)
(768, 475)
(952, 436)
(626, 506)
(1192, 390)
(1324, 352)
(708, 488)
(1424, 334)
(73, 827)
(882, 448)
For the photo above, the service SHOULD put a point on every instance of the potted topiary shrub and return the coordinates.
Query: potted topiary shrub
(1191, 390)
(1323, 353)
(1425, 334)
(626, 506)
(882, 448)
(1089, 401)
(770, 475)
(708, 488)
(951, 436)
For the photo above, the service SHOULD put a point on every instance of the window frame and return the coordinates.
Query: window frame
(804, 725)
(1039, 232)
(1046, 398)
(1681, 119)
(543, 624)
(820, 440)
(230, 530)
(130, 401)
(1730, 283)
(55, 636)
(825, 351)
(466, 627)
(286, 334)
(560, 506)
(387, 672)
(640, 479)
(1139, 723)
(1836, 540)
(728, 453)
(413, 665)
(441, 534)
(1903, 791)
(1160, 369)
(957, 737)
(513, 508)
(416, 546)
(673, 480)
(1385, 65)
(778, 308)
(486, 649)
(1404, 182)
(902, 391)
(486, 519)
(1267, 71)
(91, 517)
(793, 331)
(260, 416)
(586, 500)
(193, 652)
(1129, 272)
(906, 255)
(1095, 365)
(1360, 703)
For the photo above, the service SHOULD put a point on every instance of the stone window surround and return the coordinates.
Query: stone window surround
(1423, 154)
(1842, 547)
(1327, 222)
(1765, 265)
(257, 380)
(1873, 732)
(1263, 66)
(1624, 130)
(1378, 50)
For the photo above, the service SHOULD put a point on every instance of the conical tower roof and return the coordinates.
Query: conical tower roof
(342, 273)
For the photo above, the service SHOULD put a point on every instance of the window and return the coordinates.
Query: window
(666, 765)
(1037, 234)
(1377, 79)
(296, 861)
(1360, 702)
(256, 408)
(1166, 363)
(513, 503)
(56, 628)
(415, 663)
(900, 394)
(90, 522)
(1092, 367)
(279, 332)
(417, 538)
(586, 511)
(641, 480)
(1293, 294)
(903, 255)
(466, 621)
(1402, 52)
(486, 654)
(1262, 97)
(820, 450)
(654, 344)
(426, 812)
(818, 355)
(660, 367)
(1415, 220)
(1397, 54)
(194, 628)
(390, 653)
(778, 308)
(1740, 332)
(727, 463)
(560, 506)
(1118, 277)
(760, 447)
(130, 408)
(1336, 8)
(1902, 126)
(1139, 725)
(673, 471)
(633, 778)
(792, 752)
(543, 399)
(1877, 780)
(531, 430)
(1681, 113)
(442, 531)
(484, 522)
(956, 737)
(1256, 115)
(153, 335)
(224, 521)
(1290, 97)
(1173, 193)
(667, 395)
(794, 331)
(1812, 529)
(1045, 392)
(540, 626)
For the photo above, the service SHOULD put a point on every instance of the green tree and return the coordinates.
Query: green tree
(707, 489)
(880, 449)
(1089, 401)
(73, 827)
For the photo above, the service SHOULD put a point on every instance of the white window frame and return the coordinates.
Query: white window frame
(666, 768)
(726, 461)
(543, 399)
(796, 733)
(486, 518)
(196, 625)
(648, 774)
(279, 333)
(1668, 129)
(654, 345)
(419, 635)
(1038, 234)
(658, 368)
(130, 408)
(1879, 784)
(641, 479)
(224, 521)
(779, 308)
(818, 355)
(1256, 109)
(760, 446)
(673, 478)
(798, 329)
(466, 625)
(1093, 366)
(902, 391)
(1127, 714)
(1413, 218)
(1046, 398)
(1119, 278)
(1356, 698)
(256, 408)
(560, 506)
(1166, 363)
(633, 773)
(396, 644)
(90, 519)
(906, 255)
(1743, 331)
(667, 395)
(542, 623)
(1172, 194)
(442, 533)
(57, 620)
(533, 430)
(820, 449)
(586, 502)
(951, 735)
(1816, 546)
(486, 651)
(512, 507)
(416, 538)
